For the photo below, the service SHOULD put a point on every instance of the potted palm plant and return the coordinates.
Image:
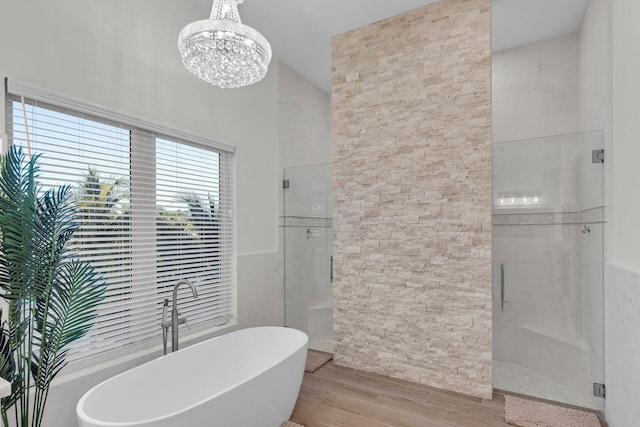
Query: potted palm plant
(51, 296)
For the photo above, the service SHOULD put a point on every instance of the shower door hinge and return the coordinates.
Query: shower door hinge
(597, 156)
(598, 390)
(285, 183)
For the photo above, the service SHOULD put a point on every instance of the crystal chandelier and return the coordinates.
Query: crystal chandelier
(222, 50)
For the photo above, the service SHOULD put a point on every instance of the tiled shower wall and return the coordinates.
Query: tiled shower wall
(411, 114)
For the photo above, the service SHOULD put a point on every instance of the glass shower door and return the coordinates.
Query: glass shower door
(308, 248)
(548, 237)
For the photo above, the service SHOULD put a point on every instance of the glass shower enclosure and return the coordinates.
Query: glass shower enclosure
(548, 239)
(308, 249)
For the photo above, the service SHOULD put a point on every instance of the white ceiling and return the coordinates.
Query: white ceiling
(300, 31)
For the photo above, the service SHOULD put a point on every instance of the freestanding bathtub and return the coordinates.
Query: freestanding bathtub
(248, 378)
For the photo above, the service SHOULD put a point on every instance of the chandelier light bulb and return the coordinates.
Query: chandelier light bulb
(222, 50)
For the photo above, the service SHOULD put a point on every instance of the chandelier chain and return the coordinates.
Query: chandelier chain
(226, 10)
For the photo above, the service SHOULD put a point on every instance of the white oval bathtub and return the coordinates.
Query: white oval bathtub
(248, 378)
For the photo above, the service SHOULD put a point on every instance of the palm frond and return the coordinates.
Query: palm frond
(18, 213)
(75, 295)
(52, 295)
(53, 229)
(16, 171)
(7, 360)
(205, 217)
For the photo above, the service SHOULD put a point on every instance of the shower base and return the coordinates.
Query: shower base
(515, 378)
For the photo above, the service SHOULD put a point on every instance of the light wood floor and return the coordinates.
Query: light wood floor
(334, 396)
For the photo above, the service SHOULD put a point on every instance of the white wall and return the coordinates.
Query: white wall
(594, 67)
(304, 121)
(622, 347)
(304, 124)
(304, 131)
(610, 100)
(122, 55)
(622, 297)
(537, 89)
(626, 146)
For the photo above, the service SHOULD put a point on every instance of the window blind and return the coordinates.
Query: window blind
(152, 210)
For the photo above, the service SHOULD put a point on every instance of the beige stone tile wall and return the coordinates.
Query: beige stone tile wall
(411, 114)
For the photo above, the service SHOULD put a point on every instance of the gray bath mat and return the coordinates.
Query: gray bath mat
(316, 360)
(528, 413)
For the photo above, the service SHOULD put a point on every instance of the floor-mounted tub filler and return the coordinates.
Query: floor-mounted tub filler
(248, 378)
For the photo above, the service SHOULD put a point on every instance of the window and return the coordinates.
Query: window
(153, 210)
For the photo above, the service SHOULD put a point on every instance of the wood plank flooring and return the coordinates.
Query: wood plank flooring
(334, 396)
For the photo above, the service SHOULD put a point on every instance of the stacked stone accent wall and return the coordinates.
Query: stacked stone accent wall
(411, 114)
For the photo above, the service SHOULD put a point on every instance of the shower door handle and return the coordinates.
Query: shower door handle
(501, 287)
(331, 269)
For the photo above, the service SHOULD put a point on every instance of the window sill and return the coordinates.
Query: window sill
(109, 368)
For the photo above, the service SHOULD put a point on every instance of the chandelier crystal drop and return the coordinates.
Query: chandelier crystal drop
(222, 50)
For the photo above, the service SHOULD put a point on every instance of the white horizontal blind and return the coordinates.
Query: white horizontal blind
(153, 210)
(193, 227)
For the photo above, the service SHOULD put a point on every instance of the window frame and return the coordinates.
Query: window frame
(138, 152)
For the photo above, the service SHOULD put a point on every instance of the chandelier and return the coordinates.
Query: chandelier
(222, 50)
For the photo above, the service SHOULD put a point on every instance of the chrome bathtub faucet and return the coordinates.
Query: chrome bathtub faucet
(175, 319)
(165, 325)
